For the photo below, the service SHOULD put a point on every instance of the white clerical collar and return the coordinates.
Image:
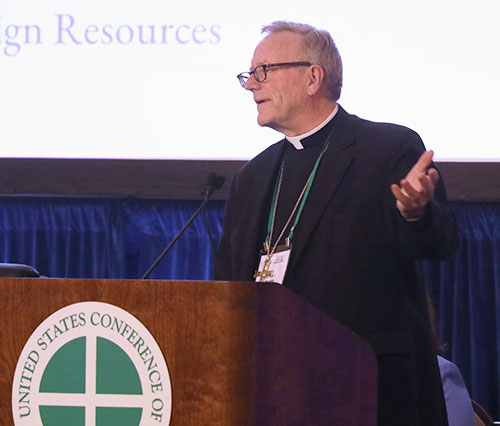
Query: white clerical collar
(296, 140)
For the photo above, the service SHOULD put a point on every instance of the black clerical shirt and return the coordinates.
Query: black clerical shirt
(298, 165)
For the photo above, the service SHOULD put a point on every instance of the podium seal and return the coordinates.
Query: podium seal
(91, 364)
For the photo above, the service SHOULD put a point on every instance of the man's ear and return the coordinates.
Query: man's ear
(315, 79)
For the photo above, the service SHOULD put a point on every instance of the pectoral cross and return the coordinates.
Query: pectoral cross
(265, 273)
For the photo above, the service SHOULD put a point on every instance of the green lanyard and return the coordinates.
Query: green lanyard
(301, 201)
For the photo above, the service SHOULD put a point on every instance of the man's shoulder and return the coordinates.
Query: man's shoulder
(379, 128)
(265, 158)
(377, 139)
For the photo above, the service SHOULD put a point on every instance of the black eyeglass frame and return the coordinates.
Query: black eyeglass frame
(244, 76)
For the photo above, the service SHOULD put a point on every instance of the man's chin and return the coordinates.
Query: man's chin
(261, 122)
(264, 121)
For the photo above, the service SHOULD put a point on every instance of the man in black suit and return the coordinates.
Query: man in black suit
(341, 211)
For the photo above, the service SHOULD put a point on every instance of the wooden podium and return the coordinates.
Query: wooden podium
(237, 353)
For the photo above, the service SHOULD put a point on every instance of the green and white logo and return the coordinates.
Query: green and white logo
(91, 364)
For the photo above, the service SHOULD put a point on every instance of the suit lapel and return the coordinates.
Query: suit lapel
(326, 183)
(257, 208)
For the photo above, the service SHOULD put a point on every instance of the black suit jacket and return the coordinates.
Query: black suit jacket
(354, 256)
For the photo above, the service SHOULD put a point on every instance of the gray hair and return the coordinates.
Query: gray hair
(319, 48)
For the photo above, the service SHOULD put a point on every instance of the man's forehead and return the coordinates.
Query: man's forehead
(277, 47)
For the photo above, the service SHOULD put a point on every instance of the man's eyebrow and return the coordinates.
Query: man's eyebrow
(259, 64)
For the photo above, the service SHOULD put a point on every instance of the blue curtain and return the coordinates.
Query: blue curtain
(107, 238)
(466, 293)
(120, 238)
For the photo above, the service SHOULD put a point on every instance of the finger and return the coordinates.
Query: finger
(412, 192)
(428, 184)
(399, 194)
(403, 202)
(427, 187)
(434, 175)
(417, 200)
(396, 191)
(424, 161)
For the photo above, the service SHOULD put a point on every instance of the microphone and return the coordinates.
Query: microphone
(214, 182)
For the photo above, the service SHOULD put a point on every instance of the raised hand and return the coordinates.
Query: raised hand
(417, 188)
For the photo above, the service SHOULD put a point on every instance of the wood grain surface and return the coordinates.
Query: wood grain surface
(237, 353)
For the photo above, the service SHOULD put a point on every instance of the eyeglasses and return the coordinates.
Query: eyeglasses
(260, 71)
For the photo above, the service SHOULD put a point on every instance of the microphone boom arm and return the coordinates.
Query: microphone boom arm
(214, 182)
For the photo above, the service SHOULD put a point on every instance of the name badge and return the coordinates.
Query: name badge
(272, 268)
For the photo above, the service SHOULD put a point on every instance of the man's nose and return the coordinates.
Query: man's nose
(251, 83)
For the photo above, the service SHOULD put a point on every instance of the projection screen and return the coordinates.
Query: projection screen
(156, 79)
